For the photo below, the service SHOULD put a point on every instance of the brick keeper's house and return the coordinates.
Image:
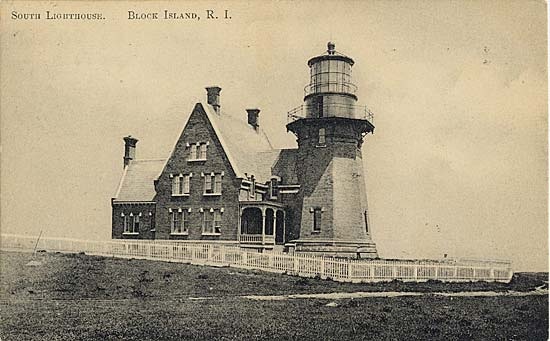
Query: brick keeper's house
(224, 181)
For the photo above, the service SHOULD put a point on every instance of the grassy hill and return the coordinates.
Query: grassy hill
(75, 296)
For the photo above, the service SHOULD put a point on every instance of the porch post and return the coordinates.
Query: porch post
(263, 225)
(284, 227)
(239, 226)
(274, 222)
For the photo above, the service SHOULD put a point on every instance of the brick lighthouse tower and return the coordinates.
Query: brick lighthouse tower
(332, 197)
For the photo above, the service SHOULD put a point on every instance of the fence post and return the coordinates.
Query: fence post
(322, 270)
(416, 272)
(210, 252)
(349, 274)
(296, 267)
(244, 259)
(171, 252)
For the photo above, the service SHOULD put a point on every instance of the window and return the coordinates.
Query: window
(180, 184)
(317, 219)
(213, 183)
(131, 223)
(197, 151)
(193, 152)
(212, 221)
(322, 139)
(203, 151)
(273, 189)
(366, 216)
(179, 221)
(252, 192)
(319, 104)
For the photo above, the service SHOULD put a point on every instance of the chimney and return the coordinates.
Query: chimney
(129, 149)
(213, 97)
(253, 118)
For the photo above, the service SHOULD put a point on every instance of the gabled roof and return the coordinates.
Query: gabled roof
(249, 152)
(137, 183)
(245, 147)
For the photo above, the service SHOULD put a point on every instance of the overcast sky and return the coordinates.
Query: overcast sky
(457, 163)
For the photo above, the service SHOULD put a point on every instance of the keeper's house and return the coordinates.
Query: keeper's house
(224, 181)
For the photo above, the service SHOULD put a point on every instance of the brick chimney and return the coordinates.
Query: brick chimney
(253, 118)
(129, 149)
(213, 97)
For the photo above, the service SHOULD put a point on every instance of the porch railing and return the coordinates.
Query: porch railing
(256, 239)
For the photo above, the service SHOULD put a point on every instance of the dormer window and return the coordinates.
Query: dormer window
(213, 183)
(273, 188)
(181, 184)
(197, 151)
(252, 187)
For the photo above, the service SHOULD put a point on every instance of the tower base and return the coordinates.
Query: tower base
(338, 248)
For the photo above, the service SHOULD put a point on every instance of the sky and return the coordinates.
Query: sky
(457, 164)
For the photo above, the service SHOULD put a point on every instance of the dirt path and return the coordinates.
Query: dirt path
(361, 294)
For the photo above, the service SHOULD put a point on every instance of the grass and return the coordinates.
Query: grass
(74, 296)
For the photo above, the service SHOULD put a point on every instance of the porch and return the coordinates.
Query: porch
(262, 224)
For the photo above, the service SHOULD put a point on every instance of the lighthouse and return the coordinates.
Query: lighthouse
(330, 128)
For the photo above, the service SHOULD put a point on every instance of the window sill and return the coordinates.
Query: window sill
(211, 194)
(130, 233)
(180, 195)
(315, 232)
(320, 146)
(211, 234)
(179, 233)
(195, 160)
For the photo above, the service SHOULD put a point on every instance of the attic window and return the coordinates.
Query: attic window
(197, 151)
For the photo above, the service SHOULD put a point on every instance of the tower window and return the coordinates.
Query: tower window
(317, 219)
(320, 107)
(366, 216)
(322, 137)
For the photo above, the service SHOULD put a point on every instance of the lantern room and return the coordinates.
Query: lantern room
(330, 92)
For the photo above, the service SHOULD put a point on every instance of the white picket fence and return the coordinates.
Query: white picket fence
(224, 254)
